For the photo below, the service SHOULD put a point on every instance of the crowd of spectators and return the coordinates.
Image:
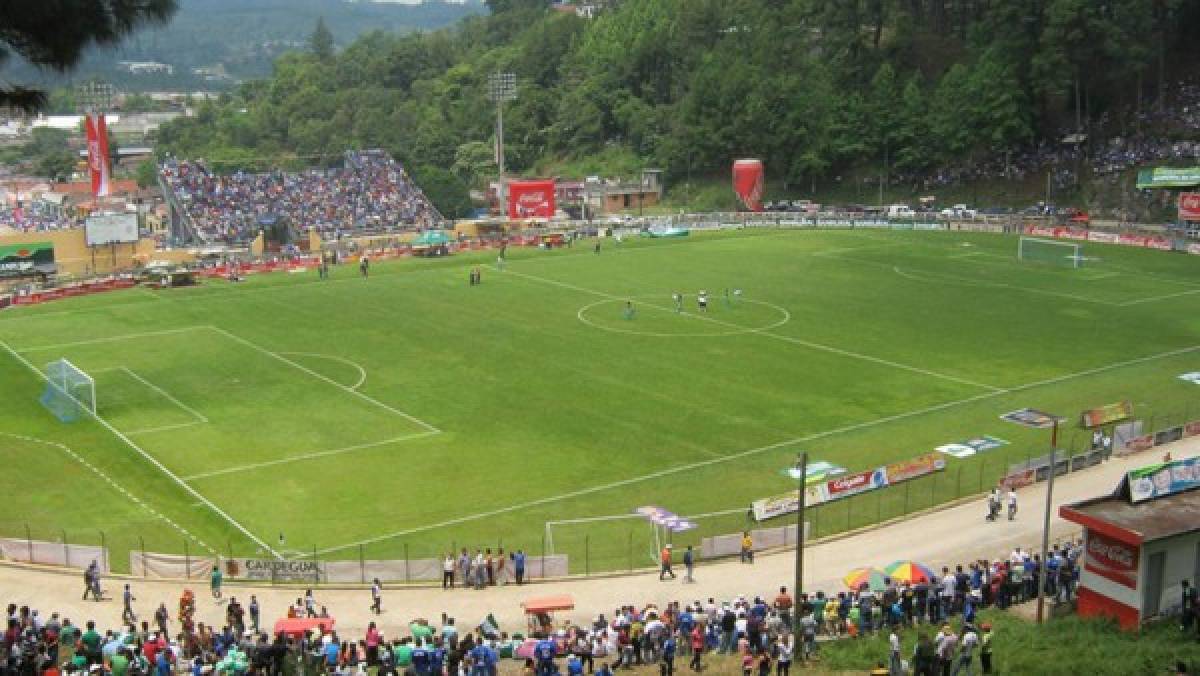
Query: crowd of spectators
(1104, 148)
(755, 631)
(369, 191)
(34, 218)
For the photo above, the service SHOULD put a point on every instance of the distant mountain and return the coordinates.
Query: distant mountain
(230, 40)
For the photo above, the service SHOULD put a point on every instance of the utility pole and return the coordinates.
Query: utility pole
(798, 586)
(1041, 592)
(502, 87)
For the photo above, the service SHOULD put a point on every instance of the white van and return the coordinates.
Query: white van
(900, 211)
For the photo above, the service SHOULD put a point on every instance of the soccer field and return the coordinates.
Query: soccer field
(410, 412)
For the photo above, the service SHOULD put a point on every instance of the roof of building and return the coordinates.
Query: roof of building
(116, 187)
(1135, 523)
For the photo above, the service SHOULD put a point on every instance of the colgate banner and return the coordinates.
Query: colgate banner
(1112, 559)
(748, 183)
(853, 484)
(1189, 206)
(97, 143)
(531, 199)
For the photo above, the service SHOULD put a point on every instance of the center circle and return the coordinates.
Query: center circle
(720, 326)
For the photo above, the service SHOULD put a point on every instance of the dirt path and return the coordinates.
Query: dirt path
(948, 536)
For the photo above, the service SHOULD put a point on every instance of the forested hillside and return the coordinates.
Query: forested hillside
(813, 87)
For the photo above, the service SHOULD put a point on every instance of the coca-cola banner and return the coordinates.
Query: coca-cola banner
(1189, 206)
(531, 199)
(1112, 559)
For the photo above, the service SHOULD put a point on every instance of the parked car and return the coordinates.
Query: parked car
(959, 211)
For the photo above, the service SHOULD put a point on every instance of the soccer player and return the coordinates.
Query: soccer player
(376, 596)
(629, 311)
(678, 298)
(364, 265)
(702, 300)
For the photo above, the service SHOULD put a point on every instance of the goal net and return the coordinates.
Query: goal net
(1063, 254)
(70, 393)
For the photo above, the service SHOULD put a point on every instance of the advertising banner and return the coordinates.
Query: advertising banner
(816, 472)
(531, 199)
(97, 150)
(1104, 237)
(1168, 177)
(1189, 206)
(273, 569)
(1109, 413)
(748, 183)
(1142, 442)
(787, 503)
(853, 484)
(665, 518)
(1031, 417)
(1112, 559)
(1156, 481)
(965, 449)
(914, 467)
(1193, 377)
(26, 259)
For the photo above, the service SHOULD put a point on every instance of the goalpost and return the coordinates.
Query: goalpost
(1067, 254)
(69, 391)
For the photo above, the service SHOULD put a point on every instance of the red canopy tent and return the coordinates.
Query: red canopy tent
(537, 610)
(298, 626)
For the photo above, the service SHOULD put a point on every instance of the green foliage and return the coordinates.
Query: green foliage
(146, 173)
(1022, 647)
(815, 88)
(320, 43)
(446, 190)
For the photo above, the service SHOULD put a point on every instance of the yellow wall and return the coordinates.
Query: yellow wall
(73, 256)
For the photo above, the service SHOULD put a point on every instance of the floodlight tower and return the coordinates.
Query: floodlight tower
(502, 87)
(94, 97)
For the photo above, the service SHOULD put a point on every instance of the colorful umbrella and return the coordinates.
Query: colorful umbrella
(871, 577)
(910, 572)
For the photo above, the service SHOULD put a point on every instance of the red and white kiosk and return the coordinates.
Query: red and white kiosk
(1140, 543)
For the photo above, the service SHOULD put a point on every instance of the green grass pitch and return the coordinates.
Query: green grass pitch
(410, 412)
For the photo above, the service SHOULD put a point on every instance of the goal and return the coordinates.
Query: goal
(1064, 254)
(70, 392)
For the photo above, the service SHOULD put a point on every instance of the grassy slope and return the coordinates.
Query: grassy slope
(535, 404)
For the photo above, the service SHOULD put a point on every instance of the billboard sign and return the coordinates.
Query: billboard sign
(787, 503)
(853, 484)
(1168, 177)
(1111, 559)
(1156, 481)
(103, 229)
(18, 260)
(531, 199)
(1189, 206)
(665, 518)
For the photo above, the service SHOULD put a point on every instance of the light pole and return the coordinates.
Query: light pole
(1041, 580)
(798, 591)
(502, 87)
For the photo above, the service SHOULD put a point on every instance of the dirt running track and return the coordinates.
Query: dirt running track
(947, 536)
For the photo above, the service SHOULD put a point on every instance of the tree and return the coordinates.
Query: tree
(54, 35)
(447, 192)
(321, 41)
(146, 173)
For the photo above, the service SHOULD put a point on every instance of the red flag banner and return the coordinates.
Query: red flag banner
(97, 143)
(748, 183)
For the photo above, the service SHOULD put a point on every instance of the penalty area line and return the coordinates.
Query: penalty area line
(306, 456)
(153, 461)
(853, 427)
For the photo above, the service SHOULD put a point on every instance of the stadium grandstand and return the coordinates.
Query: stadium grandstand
(370, 192)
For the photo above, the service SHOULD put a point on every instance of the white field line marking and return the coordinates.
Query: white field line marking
(790, 339)
(1165, 296)
(417, 421)
(1102, 275)
(362, 373)
(196, 414)
(110, 339)
(306, 456)
(116, 486)
(967, 254)
(866, 424)
(164, 428)
(941, 277)
(152, 460)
